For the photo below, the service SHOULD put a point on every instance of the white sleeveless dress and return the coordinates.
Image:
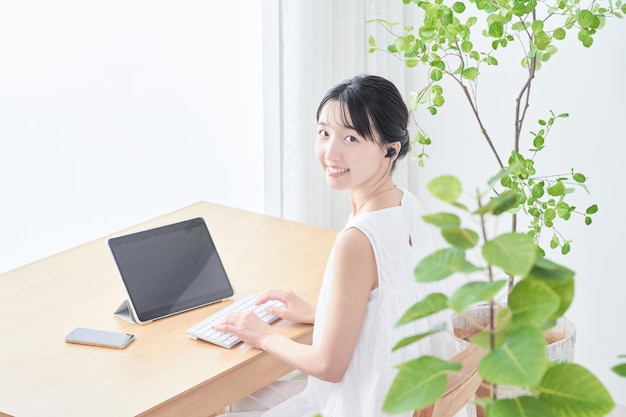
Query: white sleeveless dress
(399, 239)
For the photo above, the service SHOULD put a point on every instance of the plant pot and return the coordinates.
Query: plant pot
(561, 342)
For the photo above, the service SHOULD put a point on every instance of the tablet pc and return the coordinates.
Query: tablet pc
(170, 269)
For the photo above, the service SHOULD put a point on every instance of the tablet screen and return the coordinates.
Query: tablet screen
(170, 269)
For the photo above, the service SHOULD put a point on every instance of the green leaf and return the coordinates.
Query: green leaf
(438, 63)
(537, 191)
(518, 26)
(460, 238)
(416, 338)
(519, 9)
(412, 63)
(585, 37)
(593, 209)
(521, 361)
(559, 34)
(514, 165)
(433, 303)
(587, 397)
(446, 188)
(559, 278)
(554, 242)
(474, 292)
(418, 384)
(522, 406)
(620, 369)
(533, 303)
(426, 32)
(549, 214)
(542, 40)
(563, 210)
(515, 253)
(436, 74)
(587, 19)
(496, 29)
(442, 264)
(557, 189)
(500, 203)
(442, 220)
(548, 270)
(470, 73)
(458, 7)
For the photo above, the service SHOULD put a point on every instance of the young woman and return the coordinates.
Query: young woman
(368, 283)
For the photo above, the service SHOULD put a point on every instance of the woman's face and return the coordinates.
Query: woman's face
(348, 160)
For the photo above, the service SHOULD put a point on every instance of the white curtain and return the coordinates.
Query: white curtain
(322, 43)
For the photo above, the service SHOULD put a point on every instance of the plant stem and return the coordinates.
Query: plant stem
(524, 94)
(479, 120)
(492, 305)
(520, 115)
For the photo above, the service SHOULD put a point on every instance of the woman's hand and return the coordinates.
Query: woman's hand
(246, 326)
(296, 309)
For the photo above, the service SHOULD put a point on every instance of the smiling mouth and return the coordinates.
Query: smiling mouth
(336, 171)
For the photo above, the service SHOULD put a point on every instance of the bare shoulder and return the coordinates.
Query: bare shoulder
(352, 242)
(355, 263)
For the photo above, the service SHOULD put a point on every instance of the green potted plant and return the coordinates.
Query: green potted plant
(462, 41)
(514, 339)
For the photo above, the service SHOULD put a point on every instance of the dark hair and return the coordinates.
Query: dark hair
(373, 104)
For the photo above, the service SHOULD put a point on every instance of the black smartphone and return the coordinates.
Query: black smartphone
(103, 338)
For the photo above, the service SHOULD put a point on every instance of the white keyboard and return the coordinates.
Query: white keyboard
(204, 329)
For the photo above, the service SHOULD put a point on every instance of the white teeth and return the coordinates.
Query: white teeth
(336, 170)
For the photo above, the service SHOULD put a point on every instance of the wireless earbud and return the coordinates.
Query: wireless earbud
(390, 152)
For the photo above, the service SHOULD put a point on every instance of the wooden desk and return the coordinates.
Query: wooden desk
(162, 373)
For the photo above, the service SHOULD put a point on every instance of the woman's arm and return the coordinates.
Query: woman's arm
(355, 275)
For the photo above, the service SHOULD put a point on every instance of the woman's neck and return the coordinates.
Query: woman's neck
(370, 199)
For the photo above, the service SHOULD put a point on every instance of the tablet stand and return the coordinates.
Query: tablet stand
(123, 312)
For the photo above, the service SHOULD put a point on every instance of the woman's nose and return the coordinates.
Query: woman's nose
(332, 149)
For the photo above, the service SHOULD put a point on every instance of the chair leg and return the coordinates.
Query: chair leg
(484, 391)
(425, 412)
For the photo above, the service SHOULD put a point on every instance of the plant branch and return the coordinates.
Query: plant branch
(479, 120)
(524, 95)
(492, 305)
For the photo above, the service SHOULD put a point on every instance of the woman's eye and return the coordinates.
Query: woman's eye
(351, 139)
(322, 133)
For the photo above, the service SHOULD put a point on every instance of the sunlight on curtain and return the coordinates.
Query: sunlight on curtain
(324, 42)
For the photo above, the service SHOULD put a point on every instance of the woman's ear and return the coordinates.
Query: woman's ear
(392, 150)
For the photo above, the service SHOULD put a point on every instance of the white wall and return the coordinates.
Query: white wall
(115, 112)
